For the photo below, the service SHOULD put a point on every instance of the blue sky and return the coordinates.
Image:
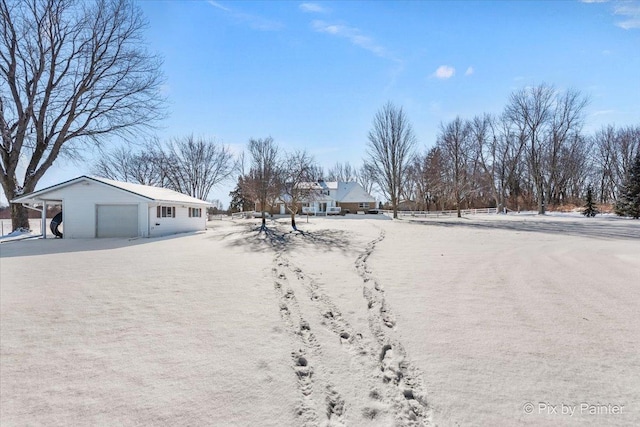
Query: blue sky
(313, 74)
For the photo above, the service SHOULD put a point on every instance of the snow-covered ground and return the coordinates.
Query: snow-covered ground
(472, 321)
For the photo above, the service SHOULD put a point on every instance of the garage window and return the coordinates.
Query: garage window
(195, 212)
(166, 212)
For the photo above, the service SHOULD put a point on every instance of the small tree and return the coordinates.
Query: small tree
(590, 208)
(628, 203)
(263, 183)
(297, 182)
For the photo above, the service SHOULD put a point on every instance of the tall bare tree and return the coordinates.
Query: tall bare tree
(263, 183)
(500, 153)
(434, 171)
(389, 151)
(455, 144)
(72, 72)
(563, 139)
(615, 151)
(530, 110)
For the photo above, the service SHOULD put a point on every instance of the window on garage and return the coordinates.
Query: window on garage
(195, 212)
(166, 212)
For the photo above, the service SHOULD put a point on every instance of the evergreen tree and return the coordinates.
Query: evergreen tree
(590, 208)
(240, 202)
(628, 203)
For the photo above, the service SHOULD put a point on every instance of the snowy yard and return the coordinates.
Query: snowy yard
(485, 320)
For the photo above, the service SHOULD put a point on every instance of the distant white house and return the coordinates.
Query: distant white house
(333, 197)
(99, 207)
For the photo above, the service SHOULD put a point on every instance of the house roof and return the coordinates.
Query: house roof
(351, 192)
(156, 194)
(344, 192)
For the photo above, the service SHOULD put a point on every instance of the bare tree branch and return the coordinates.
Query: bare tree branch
(71, 73)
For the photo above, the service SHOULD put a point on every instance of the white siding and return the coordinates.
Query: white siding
(180, 224)
(79, 202)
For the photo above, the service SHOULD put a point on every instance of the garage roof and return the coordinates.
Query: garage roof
(156, 194)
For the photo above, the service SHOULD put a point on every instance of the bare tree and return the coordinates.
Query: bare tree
(365, 177)
(298, 179)
(316, 172)
(342, 172)
(499, 152)
(126, 165)
(605, 159)
(264, 181)
(389, 151)
(530, 110)
(194, 166)
(434, 171)
(615, 151)
(455, 143)
(71, 73)
(563, 139)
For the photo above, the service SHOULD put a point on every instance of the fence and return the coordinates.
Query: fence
(436, 214)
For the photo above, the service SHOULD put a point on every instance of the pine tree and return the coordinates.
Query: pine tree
(628, 203)
(239, 200)
(590, 208)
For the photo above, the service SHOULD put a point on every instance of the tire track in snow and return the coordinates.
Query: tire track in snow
(390, 379)
(394, 363)
(299, 327)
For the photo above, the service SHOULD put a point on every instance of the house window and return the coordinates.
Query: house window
(166, 212)
(195, 212)
(363, 205)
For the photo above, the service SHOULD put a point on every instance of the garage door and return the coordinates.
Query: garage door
(117, 221)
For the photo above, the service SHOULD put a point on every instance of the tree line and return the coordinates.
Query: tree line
(535, 154)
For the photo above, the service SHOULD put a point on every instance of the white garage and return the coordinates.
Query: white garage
(99, 207)
(116, 220)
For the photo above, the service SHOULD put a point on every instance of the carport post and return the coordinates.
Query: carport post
(44, 219)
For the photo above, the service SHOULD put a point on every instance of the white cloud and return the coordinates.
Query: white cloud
(218, 5)
(469, 71)
(312, 8)
(444, 72)
(594, 1)
(603, 113)
(352, 34)
(252, 21)
(630, 11)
